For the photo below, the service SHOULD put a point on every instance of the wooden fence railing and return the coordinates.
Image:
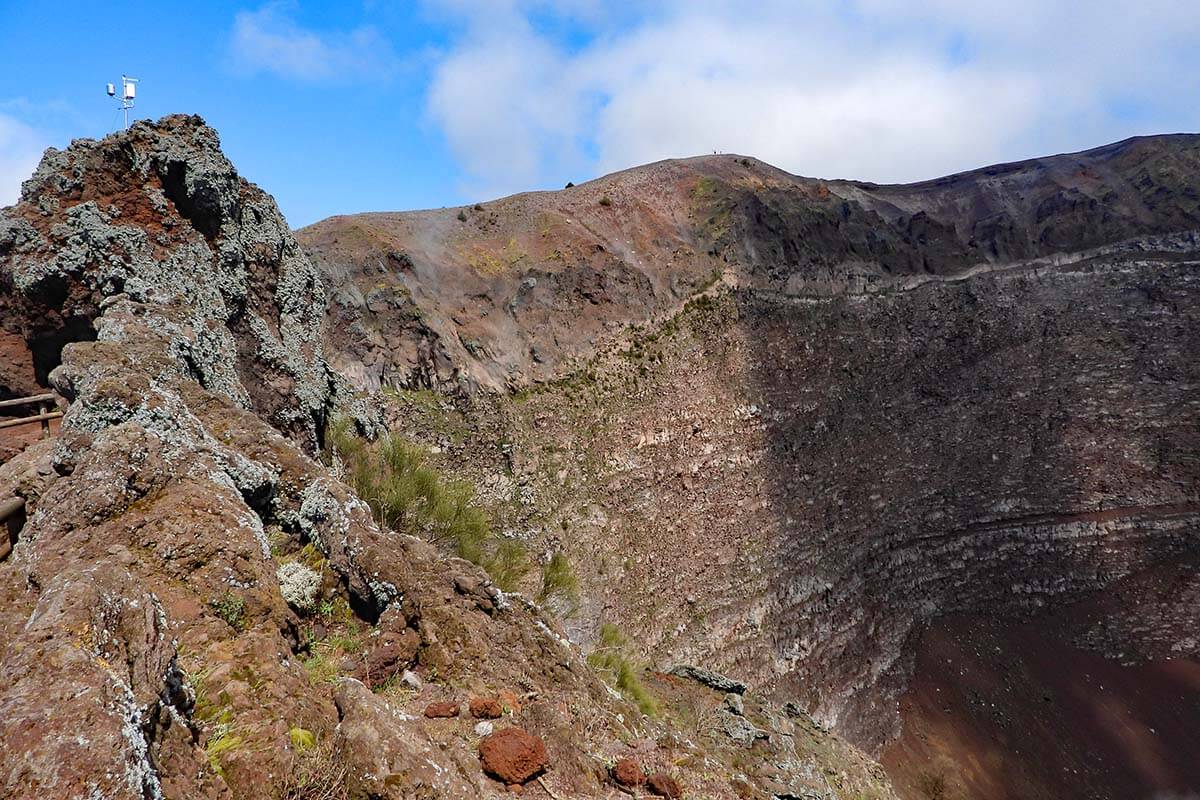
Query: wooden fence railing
(45, 407)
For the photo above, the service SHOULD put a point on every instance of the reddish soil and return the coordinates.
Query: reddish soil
(999, 711)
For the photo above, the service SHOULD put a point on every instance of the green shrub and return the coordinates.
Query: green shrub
(612, 660)
(559, 581)
(606, 201)
(406, 493)
(507, 562)
(462, 216)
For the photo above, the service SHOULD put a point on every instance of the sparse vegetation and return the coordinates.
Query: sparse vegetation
(611, 659)
(316, 773)
(559, 582)
(320, 667)
(932, 785)
(220, 744)
(406, 493)
(345, 639)
(231, 608)
(606, 201)
(462, 216)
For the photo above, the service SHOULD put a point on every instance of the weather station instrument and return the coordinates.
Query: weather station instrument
(128, 94)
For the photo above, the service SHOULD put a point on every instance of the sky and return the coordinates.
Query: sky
(369, 105)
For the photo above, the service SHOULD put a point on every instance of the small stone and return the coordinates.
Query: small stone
(663, 785)
(485, 708)
(628, 772)
(411, 680)
(512, 755)
(734, 703)
(443, 710)
(484, 729)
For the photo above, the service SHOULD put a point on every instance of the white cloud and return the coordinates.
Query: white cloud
(878, 89)
(268, 40)
(20, 150)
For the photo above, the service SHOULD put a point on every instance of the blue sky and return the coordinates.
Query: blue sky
(374, 105)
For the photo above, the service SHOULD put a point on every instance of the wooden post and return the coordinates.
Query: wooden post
(10, 522)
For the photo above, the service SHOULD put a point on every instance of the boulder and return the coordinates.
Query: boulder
(663, 785)
(513, 756)
(375, 749)
(627, 772)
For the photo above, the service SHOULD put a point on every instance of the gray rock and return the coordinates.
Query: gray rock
(713, 680)
(741, 730)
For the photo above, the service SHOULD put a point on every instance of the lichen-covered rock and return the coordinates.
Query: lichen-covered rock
(156, 218)
(299, 584)
(709, 678)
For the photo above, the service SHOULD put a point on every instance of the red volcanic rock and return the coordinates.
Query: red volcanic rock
(443, 710)
(512, 755)
(486, 708)
(663, 785)
(628, 772)
(383, 663)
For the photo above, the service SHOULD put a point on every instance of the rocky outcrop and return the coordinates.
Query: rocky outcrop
(163, 221)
